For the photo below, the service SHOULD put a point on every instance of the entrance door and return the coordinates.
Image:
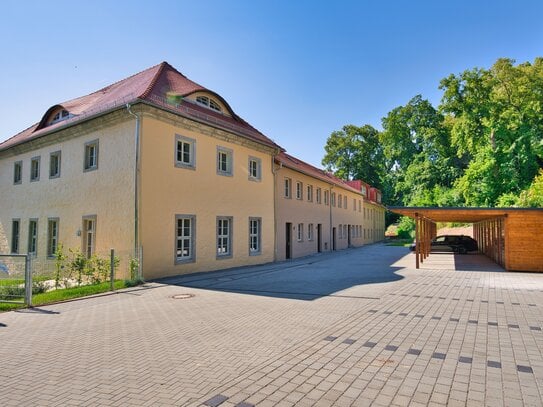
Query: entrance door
(349, 236)
(319, 238)
(288, 240)
(333, 238)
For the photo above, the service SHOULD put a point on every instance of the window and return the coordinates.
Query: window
(254, 236)
(326, 198)
(185, 152)
(209, 103)
(52, 236)
(364, 191)
(345, 232)
(35, 169)
(288, 188)
(300, 235)
(299, 190)
(354, 204)
(15, 233)
(340, 232)
(91, 156)
(359, 205)
(33, 236)
(224, 237)
(333, 198)
(184, 238)
(319, 195)
(255, 169)
(224, 161)
(310, 231)
(345, 201)
(89, 235)
(17, 172)
(310, 193)
(54, 165)
(59, 116)
(339, 201)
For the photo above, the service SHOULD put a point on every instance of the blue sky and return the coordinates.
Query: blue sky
(296, 70)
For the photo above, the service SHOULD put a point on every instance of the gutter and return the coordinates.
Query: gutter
(136, 187)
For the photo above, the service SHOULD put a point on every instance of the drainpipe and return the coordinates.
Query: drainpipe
(331, 223)
(136, 189)
(275, 227)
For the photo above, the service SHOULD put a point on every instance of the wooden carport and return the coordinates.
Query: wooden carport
(512, 237)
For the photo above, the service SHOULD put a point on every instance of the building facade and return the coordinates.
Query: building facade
(163, 170)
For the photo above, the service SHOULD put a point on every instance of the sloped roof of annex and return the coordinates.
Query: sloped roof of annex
(161, 86)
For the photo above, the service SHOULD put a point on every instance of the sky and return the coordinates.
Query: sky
(297, 70)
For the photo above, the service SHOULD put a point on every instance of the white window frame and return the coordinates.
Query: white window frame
(326, 197)
(17, 172)
(310, 232)
(182, 141)
(310, 193)
(299, 190)
(15, 235)
(288, 188)
(35, 163)
(209, 103)
(88, 235)
(55, 155)
(255, 168)
(318, 196)
(333, 199)
(52, 236)
(224, 240)
(90, 161)
(190, 238)
(33, 236)
(340, 201)
(255, 236)
(300, 232)
(340, 231)
(225, 166)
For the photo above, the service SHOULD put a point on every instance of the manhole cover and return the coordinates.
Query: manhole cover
(182, 296)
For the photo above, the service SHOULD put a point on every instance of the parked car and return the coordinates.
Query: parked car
(451, 243)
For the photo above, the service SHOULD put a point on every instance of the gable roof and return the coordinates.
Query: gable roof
(151, 86)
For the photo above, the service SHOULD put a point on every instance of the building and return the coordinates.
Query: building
(318, 212)
(159, 168)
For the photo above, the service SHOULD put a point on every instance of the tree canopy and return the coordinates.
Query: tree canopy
(482, 146)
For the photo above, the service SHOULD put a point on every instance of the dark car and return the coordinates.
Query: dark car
(452, 243)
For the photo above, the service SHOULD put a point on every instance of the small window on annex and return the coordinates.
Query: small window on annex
(54, 165)
(91, 156)
(185, 152)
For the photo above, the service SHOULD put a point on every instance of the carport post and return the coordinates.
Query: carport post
(417, 241)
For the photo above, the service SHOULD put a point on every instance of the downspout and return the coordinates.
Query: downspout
(275, 186)
(136, 188)
(332, 242)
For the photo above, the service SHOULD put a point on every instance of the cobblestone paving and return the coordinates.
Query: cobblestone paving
(353, 328)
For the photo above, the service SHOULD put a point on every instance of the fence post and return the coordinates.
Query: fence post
(28, 281)
(112, 270)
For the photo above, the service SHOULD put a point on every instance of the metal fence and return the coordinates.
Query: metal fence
(23, 275)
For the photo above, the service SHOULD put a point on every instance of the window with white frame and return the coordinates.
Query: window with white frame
(359, 205)
(310, 193)
(17, 172)
(91, 156)
(35, 169)
(224, 236)
(255, 169)
(88, 236)
(354, 204)
(184, 238)
(185, 152)
(52, 236)
(255, 225)
(208, 102)
(300, 231)
(225, 158)
(288, 188)
(15, 235)
(33, 236)
(333, 199)
(326, 200)
(54, 164)
(345, 199)
(299, 190)
(345, 232)
(340, 232)
(339, 201)
(318, 195)
(310, 231)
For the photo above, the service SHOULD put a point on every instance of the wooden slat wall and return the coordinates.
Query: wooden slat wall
(524, 241)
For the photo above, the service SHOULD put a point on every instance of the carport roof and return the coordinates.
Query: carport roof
(467, 215)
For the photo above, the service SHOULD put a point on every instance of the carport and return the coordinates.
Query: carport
(512, 237)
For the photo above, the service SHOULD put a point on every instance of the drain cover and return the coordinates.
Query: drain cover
(182, 296)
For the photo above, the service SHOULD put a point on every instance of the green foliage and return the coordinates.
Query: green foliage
(406, 228)
(60, 260)
(482, 146)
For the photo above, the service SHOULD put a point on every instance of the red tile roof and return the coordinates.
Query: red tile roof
(150, 86)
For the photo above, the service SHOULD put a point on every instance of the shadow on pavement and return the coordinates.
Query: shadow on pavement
(307, 279)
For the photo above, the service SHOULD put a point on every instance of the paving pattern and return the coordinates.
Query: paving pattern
(353, 328)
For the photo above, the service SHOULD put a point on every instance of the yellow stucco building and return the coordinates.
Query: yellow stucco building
(162, 169)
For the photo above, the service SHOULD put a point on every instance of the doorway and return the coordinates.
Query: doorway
(333, 238)
(319, 238)
(288, 240)
(349, 236)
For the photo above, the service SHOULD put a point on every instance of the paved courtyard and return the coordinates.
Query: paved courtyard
(352, 328)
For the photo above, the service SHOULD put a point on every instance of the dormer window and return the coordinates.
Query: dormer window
(59, 116)
(209, 103)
